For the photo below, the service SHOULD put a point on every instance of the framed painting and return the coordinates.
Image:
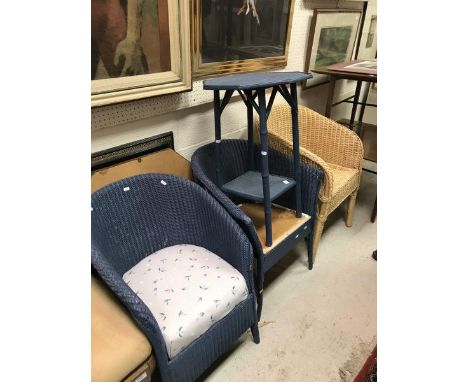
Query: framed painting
(332, 40)
(240, 36)
(139, 49)
(372, 30)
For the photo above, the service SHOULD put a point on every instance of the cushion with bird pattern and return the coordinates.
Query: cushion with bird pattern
(187, 289)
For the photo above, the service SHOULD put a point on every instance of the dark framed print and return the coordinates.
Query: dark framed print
(240, 36)
(139, 48)
(332, 40)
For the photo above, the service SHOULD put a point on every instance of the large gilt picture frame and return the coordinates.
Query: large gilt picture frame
(139, 49)
(332, 40)
(240, 36)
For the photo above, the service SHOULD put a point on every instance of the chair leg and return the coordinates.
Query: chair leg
(318, 229)
(374, 211)
(309, 241)
(351, 205)
(259, 305)
(255, 333)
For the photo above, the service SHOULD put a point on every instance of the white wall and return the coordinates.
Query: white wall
(194, 126)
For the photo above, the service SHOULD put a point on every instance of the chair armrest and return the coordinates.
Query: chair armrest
(311, 179)
(330, 141)
(279, 144)
(221, 234)
(135, 306)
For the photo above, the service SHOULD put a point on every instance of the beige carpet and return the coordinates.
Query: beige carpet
(317, 325)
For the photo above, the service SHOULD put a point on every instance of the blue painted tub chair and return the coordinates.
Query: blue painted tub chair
(159, 211)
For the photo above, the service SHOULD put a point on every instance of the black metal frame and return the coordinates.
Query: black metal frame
(132, 150)
(263, 110)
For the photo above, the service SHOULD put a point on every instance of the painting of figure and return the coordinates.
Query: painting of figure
(129, 38)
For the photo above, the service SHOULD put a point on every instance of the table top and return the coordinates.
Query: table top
(249, 81)
(346, 75)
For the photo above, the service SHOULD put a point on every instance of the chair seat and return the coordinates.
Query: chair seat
(187, 289)
(345, 181)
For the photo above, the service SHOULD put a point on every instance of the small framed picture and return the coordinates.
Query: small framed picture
(332, 40)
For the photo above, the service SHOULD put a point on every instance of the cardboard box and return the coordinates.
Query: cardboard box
(166, 161)
(119, 349)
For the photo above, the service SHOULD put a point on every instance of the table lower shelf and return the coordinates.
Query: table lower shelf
(250, 186)
(284, 224)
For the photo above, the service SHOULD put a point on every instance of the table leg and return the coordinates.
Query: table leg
(250, 133)
(296, 142)
(264, 162)
(331, 92)
(357, 93)
(363, 107)
(217, 114)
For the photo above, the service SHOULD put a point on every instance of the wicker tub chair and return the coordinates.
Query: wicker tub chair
(235, 162)
(325, 144)
(141, 215)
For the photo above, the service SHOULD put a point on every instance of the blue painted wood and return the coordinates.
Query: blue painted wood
(249, 186)
(249, 86)
(283, 248)
(217, 115)
(270, 102)
(252, 81)
(295, 133)
(250, 131)
(235, 164)
(227, 97)
(287, 97)
(264, 161)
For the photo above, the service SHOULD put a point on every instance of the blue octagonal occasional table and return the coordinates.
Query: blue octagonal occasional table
(253, 185)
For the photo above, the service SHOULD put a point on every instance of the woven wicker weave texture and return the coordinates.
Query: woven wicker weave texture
(327, 145)
(135, 217)
(235, 162)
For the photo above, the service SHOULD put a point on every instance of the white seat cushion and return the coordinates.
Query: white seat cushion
(187, 289)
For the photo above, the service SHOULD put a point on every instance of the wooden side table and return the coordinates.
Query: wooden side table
(336, 75)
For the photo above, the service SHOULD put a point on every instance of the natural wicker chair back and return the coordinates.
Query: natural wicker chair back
(327, 145)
